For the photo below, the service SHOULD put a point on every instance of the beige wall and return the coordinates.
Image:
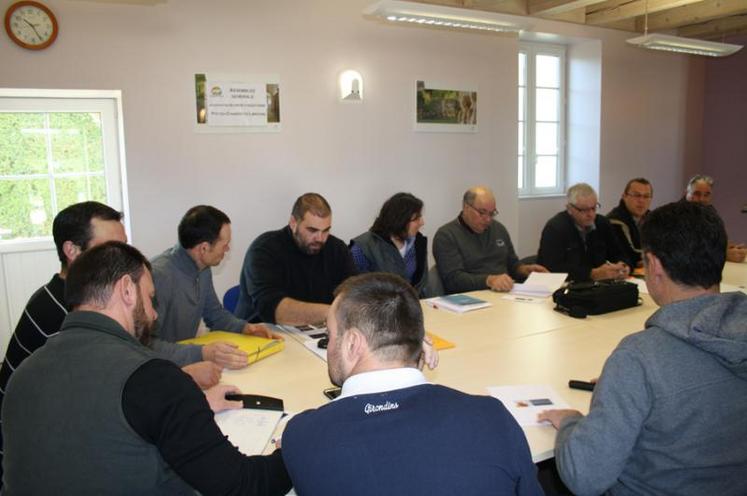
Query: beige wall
(356, 155)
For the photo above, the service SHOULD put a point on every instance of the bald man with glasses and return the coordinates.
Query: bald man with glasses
(474, 251)
(582, 243)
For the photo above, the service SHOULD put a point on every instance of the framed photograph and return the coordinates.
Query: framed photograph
(443, 108)
(226, 103)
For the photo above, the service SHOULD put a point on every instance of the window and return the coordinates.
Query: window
(55, 151)
(541, 120)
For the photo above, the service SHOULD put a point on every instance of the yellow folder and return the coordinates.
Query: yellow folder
(256, 347)
(440, 343)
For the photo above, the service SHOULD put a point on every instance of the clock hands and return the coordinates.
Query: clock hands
(33, 26)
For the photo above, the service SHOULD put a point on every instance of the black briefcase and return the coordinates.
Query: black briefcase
(579, 299)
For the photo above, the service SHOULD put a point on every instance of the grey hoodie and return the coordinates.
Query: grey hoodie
(669, 414)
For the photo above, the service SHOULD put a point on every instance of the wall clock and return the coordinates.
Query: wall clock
(31, 25)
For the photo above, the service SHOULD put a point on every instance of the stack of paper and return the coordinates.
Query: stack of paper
(540, 284)
(459, 303)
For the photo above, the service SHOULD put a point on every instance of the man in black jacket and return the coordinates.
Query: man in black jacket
(626, 217)
(580, 242)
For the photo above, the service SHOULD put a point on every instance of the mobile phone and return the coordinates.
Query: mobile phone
(332, 392)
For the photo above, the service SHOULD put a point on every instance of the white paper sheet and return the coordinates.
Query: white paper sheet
(727, 288)
(526, 401)
(248, 429)
(523, 299)
(540, 284)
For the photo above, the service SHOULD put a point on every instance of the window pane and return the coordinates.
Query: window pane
(521, 171)
(23, 148)
(522, 69)
(522, 103)
(547, 105)
(25, 209)
(71, 190)
(545, 173)
(521, 138)
(76, 142)
(546, 139)
(548, 71)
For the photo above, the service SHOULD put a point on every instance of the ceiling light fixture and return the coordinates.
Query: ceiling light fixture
(449, 17)
(684, 45)
(670, 43)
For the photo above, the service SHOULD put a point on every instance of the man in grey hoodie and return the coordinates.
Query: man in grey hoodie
(668, 413)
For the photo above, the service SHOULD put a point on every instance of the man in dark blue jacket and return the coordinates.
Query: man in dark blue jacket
(390, 431)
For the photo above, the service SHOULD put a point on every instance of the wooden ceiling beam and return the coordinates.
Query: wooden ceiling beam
(554, 7)
(704, 11)
(634, 9)
(716, 28)
(518, 7)
(577, 16)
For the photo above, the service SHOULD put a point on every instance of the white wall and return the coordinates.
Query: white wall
(356, 155)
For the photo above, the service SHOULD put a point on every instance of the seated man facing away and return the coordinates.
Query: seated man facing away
(289, 275)
(184, 286)
(75, 229)
(96, 412)
(390, 431)
(580, 242)
(627, 216)
(699, 190)
(668, 412)
(474, 251)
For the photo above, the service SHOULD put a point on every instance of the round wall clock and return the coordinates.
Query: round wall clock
(31, 25)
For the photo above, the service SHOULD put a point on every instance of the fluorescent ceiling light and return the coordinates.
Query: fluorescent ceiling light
(449, 17)
(684, 45)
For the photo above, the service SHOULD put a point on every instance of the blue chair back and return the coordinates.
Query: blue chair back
(231, 299)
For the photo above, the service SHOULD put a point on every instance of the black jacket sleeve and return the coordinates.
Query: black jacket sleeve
(167, 409)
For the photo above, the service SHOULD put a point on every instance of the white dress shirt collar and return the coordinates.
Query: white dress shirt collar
(378, 381)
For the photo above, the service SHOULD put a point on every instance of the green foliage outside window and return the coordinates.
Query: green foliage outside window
(47, 162)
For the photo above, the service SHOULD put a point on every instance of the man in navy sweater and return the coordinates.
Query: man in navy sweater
(390, 431)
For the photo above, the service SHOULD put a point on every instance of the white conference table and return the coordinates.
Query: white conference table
(510, 343)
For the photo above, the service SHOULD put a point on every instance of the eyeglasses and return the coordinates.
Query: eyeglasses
(639, 196)
(586, 210)
(482, 212)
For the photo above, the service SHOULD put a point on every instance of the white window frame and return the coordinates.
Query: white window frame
(108, 103)
(530, 157)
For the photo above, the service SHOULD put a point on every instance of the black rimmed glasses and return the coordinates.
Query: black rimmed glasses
(587, 210)
(482, 212)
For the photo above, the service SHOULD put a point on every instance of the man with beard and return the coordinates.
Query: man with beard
(390, 431)
(289, 275)
(75, 229)
(96, 412)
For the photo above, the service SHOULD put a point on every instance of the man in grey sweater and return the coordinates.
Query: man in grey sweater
(668, 413)
(185, 291)
(474, 251)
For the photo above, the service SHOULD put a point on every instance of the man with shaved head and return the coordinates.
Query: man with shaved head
(474, 251)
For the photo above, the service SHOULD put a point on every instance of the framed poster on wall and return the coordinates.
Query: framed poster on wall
(445, 108)
(231, 103)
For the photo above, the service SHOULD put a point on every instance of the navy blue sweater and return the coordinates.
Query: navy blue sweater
(425, 439)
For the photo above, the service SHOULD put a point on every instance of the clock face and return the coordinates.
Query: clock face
(31, 25)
